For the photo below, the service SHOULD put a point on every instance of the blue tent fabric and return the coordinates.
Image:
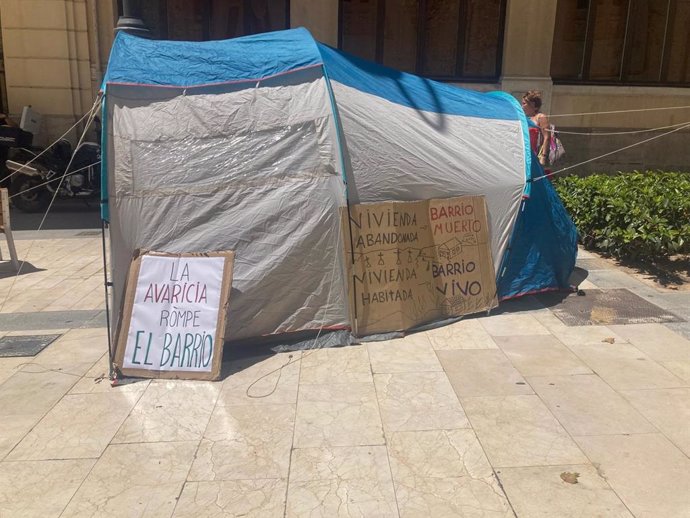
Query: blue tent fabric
(543, 249)
(412, 91)
(135, 60)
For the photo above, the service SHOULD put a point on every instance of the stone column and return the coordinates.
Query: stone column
(130, 20)
(527, 48)
(48, 61)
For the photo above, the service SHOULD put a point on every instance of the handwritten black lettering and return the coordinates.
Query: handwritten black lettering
(384, 276)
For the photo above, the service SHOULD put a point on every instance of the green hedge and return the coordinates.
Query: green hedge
(630, 215)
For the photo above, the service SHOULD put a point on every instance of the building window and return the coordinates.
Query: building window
(201, 20)
(622, 42)
(454, 40)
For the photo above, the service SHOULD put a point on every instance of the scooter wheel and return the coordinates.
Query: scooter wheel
(26, 196)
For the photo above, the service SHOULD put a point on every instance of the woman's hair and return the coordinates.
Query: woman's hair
(534, 98)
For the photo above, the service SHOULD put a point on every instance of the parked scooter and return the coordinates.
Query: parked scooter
(15, 143)
(34, 184)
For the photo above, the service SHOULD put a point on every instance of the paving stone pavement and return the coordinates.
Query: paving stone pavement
(512, 414)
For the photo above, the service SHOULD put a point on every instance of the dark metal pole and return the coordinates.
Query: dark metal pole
(130, 20)
(107, 284)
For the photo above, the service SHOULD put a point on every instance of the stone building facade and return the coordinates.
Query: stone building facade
(584, 55)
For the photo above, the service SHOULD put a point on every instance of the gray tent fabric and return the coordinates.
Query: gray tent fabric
(264, 168)
(432, 156)
(252, 171)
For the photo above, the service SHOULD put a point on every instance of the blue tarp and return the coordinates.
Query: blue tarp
(135, 60)
(411, 90)
(543, 249)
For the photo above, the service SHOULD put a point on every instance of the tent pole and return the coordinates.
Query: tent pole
(338, 134)
(106, 285)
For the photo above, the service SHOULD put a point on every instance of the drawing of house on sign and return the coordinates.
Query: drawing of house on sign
(450, 249)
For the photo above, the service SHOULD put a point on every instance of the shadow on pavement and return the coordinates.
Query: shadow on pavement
(541, 300)
(64, 214)
(7, 270)
(578, 275)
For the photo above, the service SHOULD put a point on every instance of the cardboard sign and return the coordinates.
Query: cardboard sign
(173, 321)
(415, 262)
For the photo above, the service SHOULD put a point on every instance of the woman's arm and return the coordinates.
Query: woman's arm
(543, 123)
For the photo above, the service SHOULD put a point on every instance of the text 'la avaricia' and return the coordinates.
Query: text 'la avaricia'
(192, 293)
(178, 290)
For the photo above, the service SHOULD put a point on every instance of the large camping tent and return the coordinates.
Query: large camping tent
(253, 144)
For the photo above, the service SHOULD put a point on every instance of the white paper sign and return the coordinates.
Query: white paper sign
(175, 314)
